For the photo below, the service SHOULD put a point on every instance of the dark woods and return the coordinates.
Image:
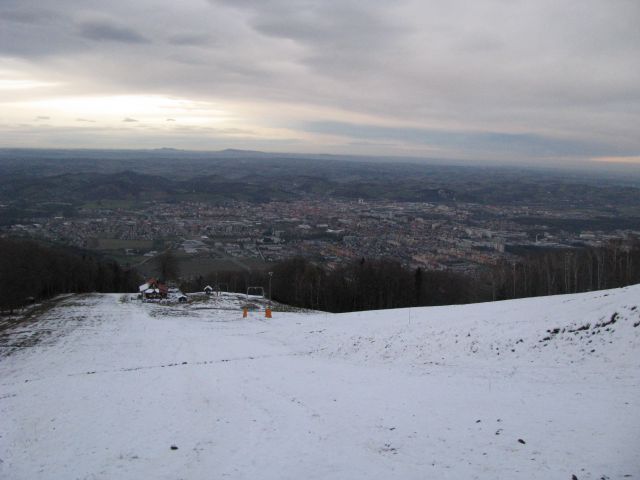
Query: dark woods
(362, 285)
(30, 271)
(377, 284)
(566, 271)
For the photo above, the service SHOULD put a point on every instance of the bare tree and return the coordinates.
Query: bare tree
(168, 266)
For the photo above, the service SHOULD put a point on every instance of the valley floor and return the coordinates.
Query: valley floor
(540, 388)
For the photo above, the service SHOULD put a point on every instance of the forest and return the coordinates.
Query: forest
(30, 272)
(370, 284)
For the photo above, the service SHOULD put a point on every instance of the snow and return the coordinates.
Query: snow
(446, 393)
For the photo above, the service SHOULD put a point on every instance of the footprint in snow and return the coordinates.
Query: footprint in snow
(387, 448)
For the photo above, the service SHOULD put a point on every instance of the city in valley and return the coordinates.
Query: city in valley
(231, 210)
(205, 237)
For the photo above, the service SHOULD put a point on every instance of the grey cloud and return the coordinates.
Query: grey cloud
(27, 15)
(481, 142)
(42, 117)
(129, 120)
(327, 25)
(557, 72)
(28, 29)
(335, 35)
(190, 39)
(479, 43)
(106, 30)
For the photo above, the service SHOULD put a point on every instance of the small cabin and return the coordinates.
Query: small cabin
(208, 290)
(152, 289)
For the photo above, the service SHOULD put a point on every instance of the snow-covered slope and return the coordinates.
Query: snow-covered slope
(595, 329)
(535, 388)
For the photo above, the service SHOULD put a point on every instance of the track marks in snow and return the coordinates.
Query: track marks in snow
(45, 323)
(169, 365)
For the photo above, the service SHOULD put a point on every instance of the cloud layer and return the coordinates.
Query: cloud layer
(515, 81)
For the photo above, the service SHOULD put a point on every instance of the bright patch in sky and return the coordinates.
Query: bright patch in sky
(134, 108)
(630, 160)
(21, 84)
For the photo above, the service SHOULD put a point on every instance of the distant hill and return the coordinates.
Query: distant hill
(35, 183)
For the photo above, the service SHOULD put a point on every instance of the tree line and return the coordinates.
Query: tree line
(31, 271)
(614, 265)
(381, 283)
(361, 285)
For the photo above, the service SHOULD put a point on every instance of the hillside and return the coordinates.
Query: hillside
(102, 386)
(36, 178)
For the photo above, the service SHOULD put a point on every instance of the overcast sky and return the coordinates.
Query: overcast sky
(537, 81)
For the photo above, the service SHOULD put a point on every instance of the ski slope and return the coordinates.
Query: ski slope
(544, 388)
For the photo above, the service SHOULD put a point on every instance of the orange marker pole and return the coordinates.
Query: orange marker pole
(267, 313)
(245, 312)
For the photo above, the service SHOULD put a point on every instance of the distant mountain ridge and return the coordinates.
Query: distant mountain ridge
(41, 183)
(287, 179)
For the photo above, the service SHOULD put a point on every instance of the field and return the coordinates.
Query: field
(111, 204)
(202, 264)
(117, 244)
